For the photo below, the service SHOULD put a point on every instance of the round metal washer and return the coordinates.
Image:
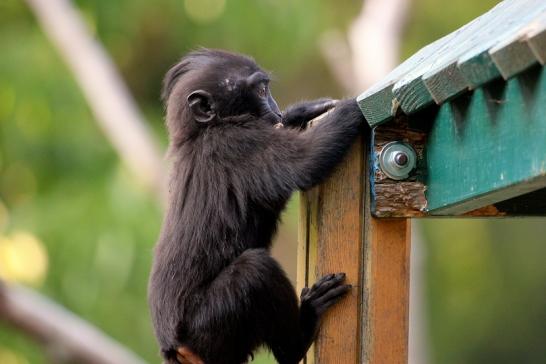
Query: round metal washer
(390, 155)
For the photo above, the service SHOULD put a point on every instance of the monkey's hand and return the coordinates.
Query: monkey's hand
(299, 114)
(317, 299)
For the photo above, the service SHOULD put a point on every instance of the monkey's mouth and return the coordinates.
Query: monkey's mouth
(273, 118)
(278, 125)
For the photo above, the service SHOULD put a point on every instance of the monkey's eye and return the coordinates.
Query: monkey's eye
(262, 90)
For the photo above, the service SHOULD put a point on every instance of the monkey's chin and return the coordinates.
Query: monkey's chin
(278, 125)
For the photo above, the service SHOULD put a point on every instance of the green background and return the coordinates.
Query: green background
(61, 181)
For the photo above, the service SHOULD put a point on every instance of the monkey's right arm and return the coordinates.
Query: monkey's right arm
(321, 147)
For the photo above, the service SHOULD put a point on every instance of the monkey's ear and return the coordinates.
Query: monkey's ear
(201, 106)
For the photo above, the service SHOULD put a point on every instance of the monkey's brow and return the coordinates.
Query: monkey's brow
(257, 77)
(264, 76)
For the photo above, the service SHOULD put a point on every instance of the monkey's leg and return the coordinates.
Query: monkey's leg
(314, 302)
(250, 303)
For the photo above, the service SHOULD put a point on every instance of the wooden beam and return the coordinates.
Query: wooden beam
(386, 292)
(489, 146)
(337, 234)
(522, 50)
(332, 233)
(378, 103)
(473, 153)
(506, 40)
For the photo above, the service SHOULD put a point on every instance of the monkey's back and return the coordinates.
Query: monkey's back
(218, 210)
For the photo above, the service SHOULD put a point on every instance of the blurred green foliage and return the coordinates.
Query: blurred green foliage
(61, 180)
(486, 284)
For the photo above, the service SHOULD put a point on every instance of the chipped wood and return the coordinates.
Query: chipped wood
(392, 198)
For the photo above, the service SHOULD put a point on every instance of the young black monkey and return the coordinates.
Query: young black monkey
(215, 292)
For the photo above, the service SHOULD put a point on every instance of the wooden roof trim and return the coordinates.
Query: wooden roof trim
(505, 41)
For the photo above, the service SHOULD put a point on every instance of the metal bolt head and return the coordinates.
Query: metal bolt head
(397, 160)
(401, 159)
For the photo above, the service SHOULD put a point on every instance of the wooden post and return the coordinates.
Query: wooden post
(386, 292)
(338, 234)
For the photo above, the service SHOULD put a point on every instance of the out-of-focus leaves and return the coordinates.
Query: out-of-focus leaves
(487, 290)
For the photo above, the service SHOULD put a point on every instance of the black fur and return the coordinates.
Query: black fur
(214, 287)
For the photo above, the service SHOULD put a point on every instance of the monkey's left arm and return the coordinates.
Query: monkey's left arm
(297, 115)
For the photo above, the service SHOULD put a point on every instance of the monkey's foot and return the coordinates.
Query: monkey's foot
(324, 293)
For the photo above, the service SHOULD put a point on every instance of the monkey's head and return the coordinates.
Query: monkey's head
(214, 86)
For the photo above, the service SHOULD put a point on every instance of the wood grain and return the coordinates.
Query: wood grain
(386, 291)
(332, 223)
(378, 103)
(489, 146)
(515, 54)
(506, 40)
(404, 198)
(338, 234)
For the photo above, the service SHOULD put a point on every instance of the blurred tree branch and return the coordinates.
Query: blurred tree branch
(107, 95)
(67, 338)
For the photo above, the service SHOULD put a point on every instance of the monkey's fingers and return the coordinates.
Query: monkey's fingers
(331, 297)
(185, 356)
(318, 110)
(325, 284)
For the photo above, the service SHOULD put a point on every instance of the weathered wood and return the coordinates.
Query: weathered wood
(506, 40)
(473, 153)
(411, 91)
(444, 80)
(447, 79)
(478, 68)
(476, 63)
(489, 146)
(386, 291)
(307, 248)
(398, 198)
(537, 38)
(333, 226)
(378, 103)
(515, 54)
(440, 79)
(371, 325)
